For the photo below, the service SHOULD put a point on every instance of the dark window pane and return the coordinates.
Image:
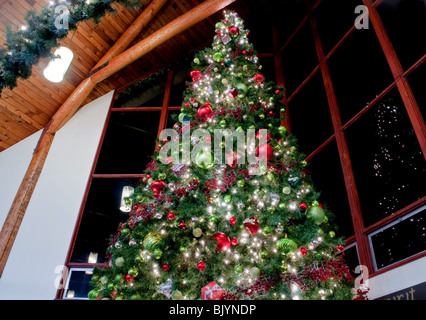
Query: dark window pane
(299, 58)
(101, 218)
(288, 14)
(417, 80)
(327, 176)
(359, 72)
(268, 68)
(144, 93)
(179, 86)
(401, 240)
(129, 142)
(78, 287)
(387, 161)
(351, 259)
(310, 116)
(405, 23)
(334, 19)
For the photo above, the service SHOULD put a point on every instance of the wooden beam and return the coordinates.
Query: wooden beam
(65, 112)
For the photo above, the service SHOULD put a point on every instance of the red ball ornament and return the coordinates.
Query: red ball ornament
(303, 251)
(234, 241)
(233, 93)
(259, 135)
(233, 30)
(265, 149)
(146, 178)
(195, 75)
(244, 52)
(321, 206)
(129, 278)
(303, 206)
(258, 77)
(201, 266)
(165, 267)
(223, 242)
(157, 186)
(232, 220)
(204, 112)
(182, 225)
(277, 91)
(187, 104)
(252, 225)
(171, 215)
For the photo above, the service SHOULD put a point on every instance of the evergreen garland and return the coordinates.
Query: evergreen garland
(25, 47)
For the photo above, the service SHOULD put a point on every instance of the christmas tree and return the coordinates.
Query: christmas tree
(240, 222)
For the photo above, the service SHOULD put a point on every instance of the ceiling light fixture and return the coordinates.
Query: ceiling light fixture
(56, 69)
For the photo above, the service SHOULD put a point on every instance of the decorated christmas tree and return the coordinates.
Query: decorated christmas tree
(226, 208)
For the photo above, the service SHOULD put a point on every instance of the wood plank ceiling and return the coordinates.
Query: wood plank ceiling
(27, 108)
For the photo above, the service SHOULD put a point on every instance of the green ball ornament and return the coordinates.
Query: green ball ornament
(242, 90)
(240, 183)
(135, 296)
(197, 232)
(103, 280)
(267, 230)
(317, 214)
(119, 278)
(93, 294)
(264, 254)
(254, 272)
(119, 262)
(218, 25)
(162, 176)
(182, 249)
(222, 123)
(270, 176)
(282, 205)
(238, 270)
(286, 190)
(218, 57)
(133, 272)
(183, 117)
(282, 130)
(196, 61)
(204, 159)
(157, 253)
(95, 278)
(152, 241)
(262, 116)
(213, 219)
(227, 198)
(111, 286)
(125, 231)
(176, 295)
(332, 234)
(286, 245)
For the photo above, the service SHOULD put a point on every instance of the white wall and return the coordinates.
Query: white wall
(44, 236)
(14, 162)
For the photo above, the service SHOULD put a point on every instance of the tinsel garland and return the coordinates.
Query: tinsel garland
(25, 47)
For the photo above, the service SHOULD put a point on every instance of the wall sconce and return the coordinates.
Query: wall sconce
(93, 257)
(126, 203)
(56, 69)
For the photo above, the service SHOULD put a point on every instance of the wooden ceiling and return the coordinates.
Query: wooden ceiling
(27, 108)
